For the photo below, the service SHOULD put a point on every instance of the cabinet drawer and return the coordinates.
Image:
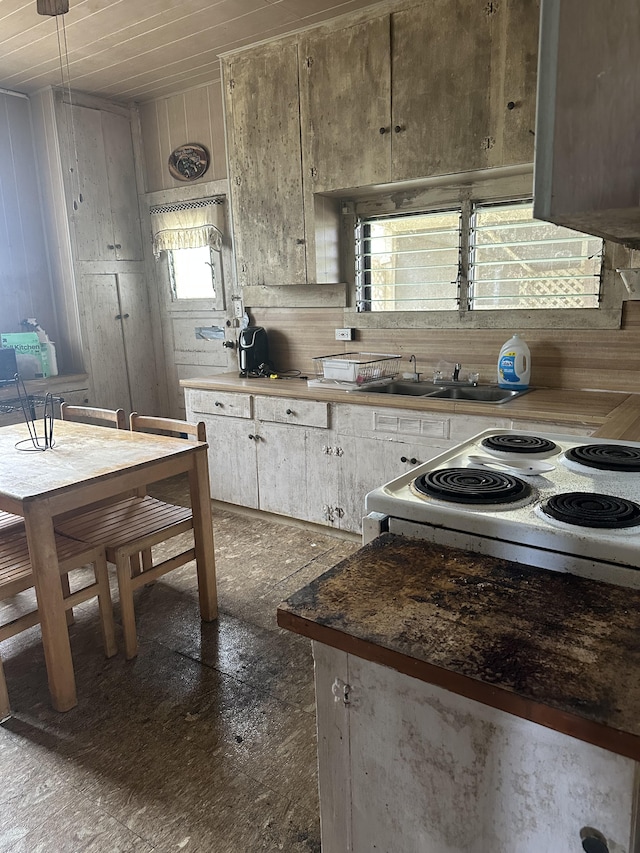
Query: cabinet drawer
(282, 410)
(391, 423)
(219, 403)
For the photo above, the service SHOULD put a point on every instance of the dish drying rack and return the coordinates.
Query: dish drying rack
(353, 370)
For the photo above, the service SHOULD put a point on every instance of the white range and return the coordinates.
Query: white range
(554, 501)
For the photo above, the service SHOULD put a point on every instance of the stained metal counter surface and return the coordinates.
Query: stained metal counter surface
(550, 647)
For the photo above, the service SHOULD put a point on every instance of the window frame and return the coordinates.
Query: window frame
(490, 187)
(197, 305)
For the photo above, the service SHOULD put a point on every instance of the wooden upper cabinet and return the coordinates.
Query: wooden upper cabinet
(434, 89)
(265, 171)
(101, 186)
(588, 121)
(345, 106)
(441, 67)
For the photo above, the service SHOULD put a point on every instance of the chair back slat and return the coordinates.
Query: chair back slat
(91, 414)
(183, 429)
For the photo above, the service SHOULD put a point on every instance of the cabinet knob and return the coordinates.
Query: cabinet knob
(110, 245)
(398, 128)
(593, 841)
(403, 459)
(300, 241)
(289, 412)
(252, 437)
(383, 130)
(511, 105)
(118, 246)
(218, 403)
(125, 316)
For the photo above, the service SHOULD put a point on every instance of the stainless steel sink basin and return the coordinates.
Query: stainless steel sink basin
(477, 394)
(406, 389)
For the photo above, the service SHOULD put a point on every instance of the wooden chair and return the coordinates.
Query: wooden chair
(16, 576)
(132, 527)
(90, 414)
(9, 521)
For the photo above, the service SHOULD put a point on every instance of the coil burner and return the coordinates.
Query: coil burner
(589, 509)
(606, 457)
(472, 486)
(514, 443)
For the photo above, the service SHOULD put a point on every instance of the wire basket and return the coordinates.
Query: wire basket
(357, 368)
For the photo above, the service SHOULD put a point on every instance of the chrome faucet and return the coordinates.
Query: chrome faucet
(456, 372)
(439, 379)
(416, 375)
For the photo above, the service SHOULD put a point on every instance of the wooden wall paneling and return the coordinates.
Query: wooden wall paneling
(164, 179)
(218, 145)
(151, 145)
(197, 121)
(296, 337)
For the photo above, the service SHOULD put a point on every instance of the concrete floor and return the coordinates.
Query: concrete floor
(205, 742)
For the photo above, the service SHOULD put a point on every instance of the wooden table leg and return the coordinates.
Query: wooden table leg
(55, 634)
(203, 535)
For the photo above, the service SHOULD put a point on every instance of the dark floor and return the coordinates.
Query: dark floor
(206, 742)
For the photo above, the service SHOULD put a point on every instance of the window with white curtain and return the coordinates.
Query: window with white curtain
(190, 234)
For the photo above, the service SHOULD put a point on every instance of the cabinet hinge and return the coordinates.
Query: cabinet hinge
(232, 84)
(313, 172)
(309, 61)
(237, 180)
(338, 451)
(488, 142)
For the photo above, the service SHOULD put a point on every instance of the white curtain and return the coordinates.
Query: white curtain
(188, 225)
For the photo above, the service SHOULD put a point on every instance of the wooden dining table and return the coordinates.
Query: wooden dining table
(85, 465)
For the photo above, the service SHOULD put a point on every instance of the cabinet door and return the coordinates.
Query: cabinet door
(368, 463)
(232, 459)
(123, 195)
(115, 314)
(102, 185)
(88, 185)
(440, 99)
(517, 109)
(345, 106)
(287, 485)
(263, 140)
(138, 341)
(104, 343)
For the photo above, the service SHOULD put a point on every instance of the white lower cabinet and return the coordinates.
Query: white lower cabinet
(408, 766)
(317, 461)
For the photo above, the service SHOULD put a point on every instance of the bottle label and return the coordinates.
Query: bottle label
(508, 368)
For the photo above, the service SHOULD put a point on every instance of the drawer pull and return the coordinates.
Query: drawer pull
(289, 412)
(217, 403)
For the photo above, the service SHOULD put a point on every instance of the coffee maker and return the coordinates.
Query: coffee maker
(253, 352)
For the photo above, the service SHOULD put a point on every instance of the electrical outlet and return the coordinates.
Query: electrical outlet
(237, 307)
(344, 334)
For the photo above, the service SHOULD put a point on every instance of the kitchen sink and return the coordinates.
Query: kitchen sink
(469, 393)
(405, 389)
(477, 393)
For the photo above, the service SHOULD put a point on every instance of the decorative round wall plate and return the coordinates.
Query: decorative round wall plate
(189, 162)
